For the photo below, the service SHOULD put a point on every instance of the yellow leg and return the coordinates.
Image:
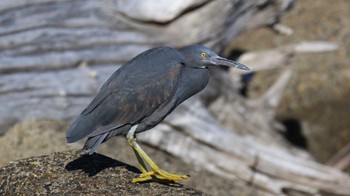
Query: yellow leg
(142, 157)
(156, 172)
(140, 160)
(142, 165)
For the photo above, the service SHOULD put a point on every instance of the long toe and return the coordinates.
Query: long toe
(159, 175)
(172, 176)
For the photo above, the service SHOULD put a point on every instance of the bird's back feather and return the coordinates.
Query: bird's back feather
(132, 93)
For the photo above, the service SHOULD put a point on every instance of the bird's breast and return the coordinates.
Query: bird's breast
(191, 81)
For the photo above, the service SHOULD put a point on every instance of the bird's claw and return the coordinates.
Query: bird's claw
(159, 175)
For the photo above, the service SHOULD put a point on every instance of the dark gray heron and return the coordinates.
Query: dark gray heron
(140, 94)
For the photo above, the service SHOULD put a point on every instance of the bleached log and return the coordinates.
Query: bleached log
(43, 42)
(198, 138)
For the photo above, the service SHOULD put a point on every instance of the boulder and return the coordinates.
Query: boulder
(72, 173)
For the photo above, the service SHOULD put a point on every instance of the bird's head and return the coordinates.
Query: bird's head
(202, 57)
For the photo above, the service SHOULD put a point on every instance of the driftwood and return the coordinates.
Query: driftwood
(196, 136)
(43, 43)
(54, 56)
(267, 167)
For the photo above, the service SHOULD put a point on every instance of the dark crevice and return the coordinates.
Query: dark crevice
(245, 78)
(265, 5)
(294, 133)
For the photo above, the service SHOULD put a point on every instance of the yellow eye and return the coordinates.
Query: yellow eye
(203, 55)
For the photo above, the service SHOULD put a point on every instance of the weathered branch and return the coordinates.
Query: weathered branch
(198, 138)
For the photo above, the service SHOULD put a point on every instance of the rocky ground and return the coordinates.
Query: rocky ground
(315, 102)
(47, 136)
(70, 173)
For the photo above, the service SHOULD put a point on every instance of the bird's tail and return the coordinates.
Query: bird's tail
(80, 128)
(94, 142)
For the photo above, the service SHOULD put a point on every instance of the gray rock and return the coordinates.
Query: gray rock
(72, 173)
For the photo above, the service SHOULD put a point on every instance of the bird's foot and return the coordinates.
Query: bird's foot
(159, 175)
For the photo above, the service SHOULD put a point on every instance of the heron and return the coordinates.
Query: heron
(140, 94)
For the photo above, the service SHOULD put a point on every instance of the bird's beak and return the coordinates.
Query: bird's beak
(229, 63)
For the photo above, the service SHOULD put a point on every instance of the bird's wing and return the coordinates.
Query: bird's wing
(143, 70)
(140, 95)
(126, 98)
(103, 94)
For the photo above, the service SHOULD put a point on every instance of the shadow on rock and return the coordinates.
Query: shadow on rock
(95, 163)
